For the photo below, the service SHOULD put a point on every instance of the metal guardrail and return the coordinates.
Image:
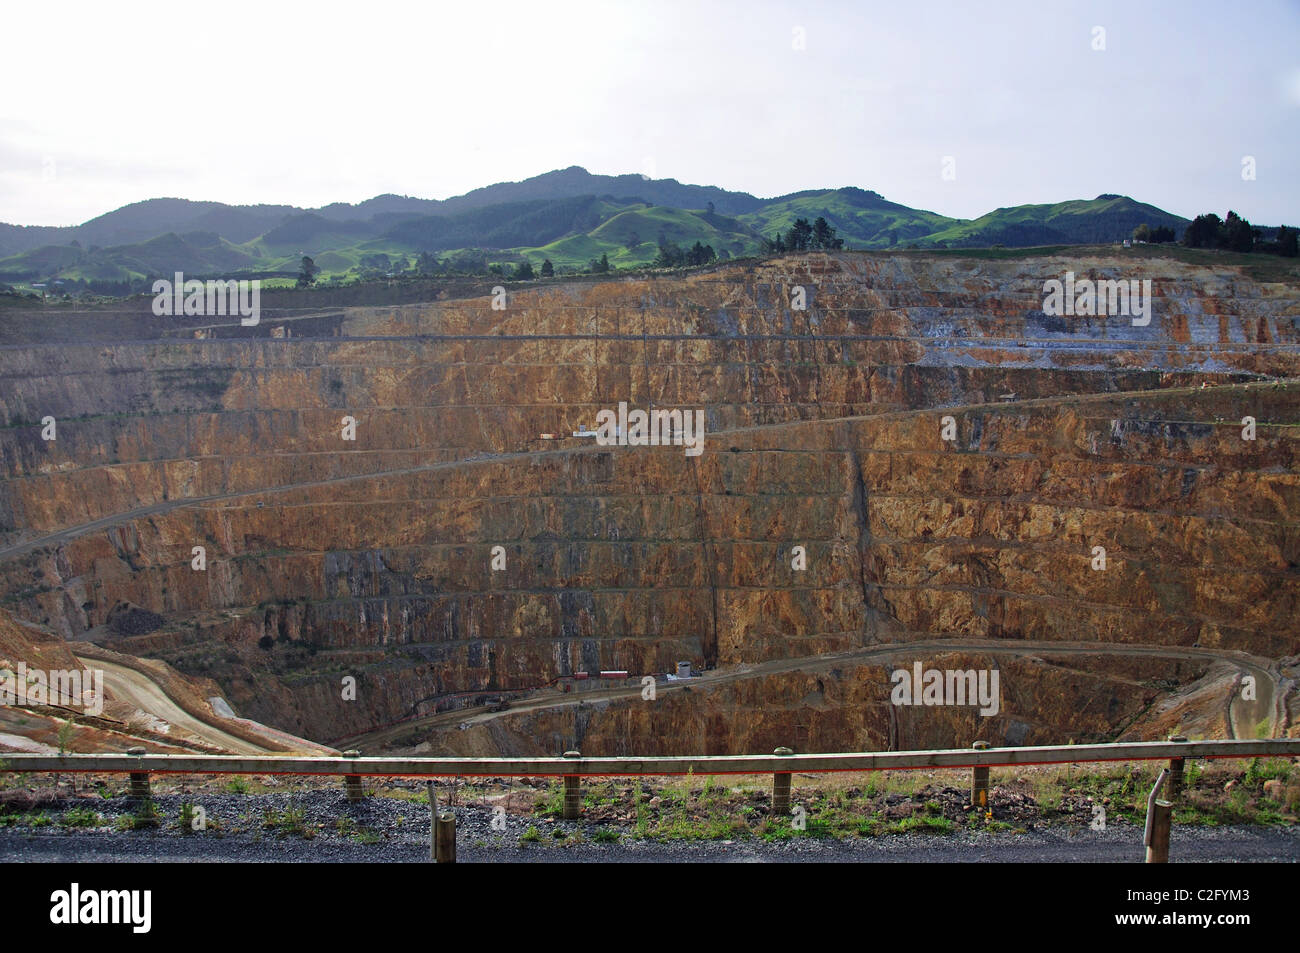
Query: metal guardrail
(781, 764)
(573, 765)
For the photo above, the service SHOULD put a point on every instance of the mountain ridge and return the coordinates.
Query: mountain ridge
(562, 215)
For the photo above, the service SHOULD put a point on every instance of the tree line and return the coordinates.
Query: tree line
(801, 236)
(1155, 236)
(672, 255)
(1235, 233)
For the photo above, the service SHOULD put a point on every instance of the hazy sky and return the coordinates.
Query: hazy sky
(305, 104)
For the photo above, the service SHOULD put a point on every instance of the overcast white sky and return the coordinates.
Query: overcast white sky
(305, 104)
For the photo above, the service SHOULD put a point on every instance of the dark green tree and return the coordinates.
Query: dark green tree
(799, 238)
(1203, 232)
(524, 271)
(469, 261)
(670, 254)
(823, 236)
(700, 254)
(548, 270)
(1236, 234)
(307, 274)
(1287, 240)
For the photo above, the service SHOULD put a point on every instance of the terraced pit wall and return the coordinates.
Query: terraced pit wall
(823, 431)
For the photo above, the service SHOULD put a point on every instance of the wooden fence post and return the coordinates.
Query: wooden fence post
(572, 791)
(979, 783)
(352, 782)
(1156, 838)
(433, 822)
(781, 786)
(446, 838)
(138, 786)
(1176, 771)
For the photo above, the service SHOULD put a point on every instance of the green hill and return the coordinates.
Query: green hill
(1107, 218)
(47, 261)
(863, 219)
(631, 237)
(569, 216)
(197, 254)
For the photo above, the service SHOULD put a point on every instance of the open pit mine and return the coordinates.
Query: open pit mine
(397, 529)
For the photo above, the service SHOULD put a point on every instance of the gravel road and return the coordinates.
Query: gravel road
(268, 828)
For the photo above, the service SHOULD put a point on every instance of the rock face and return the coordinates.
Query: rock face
(922, 457)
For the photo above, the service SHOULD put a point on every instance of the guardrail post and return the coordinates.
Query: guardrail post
(781, 786)
(433, 821)
(138, 787)
(1176, 771)
(446, 838)
(572, 791)
(979, 782)
(1158, 846)
(352, 782)
(1156, 837)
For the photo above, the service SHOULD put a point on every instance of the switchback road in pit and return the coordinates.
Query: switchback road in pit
(1266, 678)
(134, 688)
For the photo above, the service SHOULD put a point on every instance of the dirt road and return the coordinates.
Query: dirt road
(1240, 714)
(134, 688)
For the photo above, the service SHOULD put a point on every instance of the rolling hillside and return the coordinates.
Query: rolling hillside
(863, 219)
(1103, 219)
(568, 216)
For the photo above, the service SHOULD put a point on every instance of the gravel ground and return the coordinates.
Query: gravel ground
(270, 828)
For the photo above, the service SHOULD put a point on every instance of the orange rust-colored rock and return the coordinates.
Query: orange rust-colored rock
(327, 558)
